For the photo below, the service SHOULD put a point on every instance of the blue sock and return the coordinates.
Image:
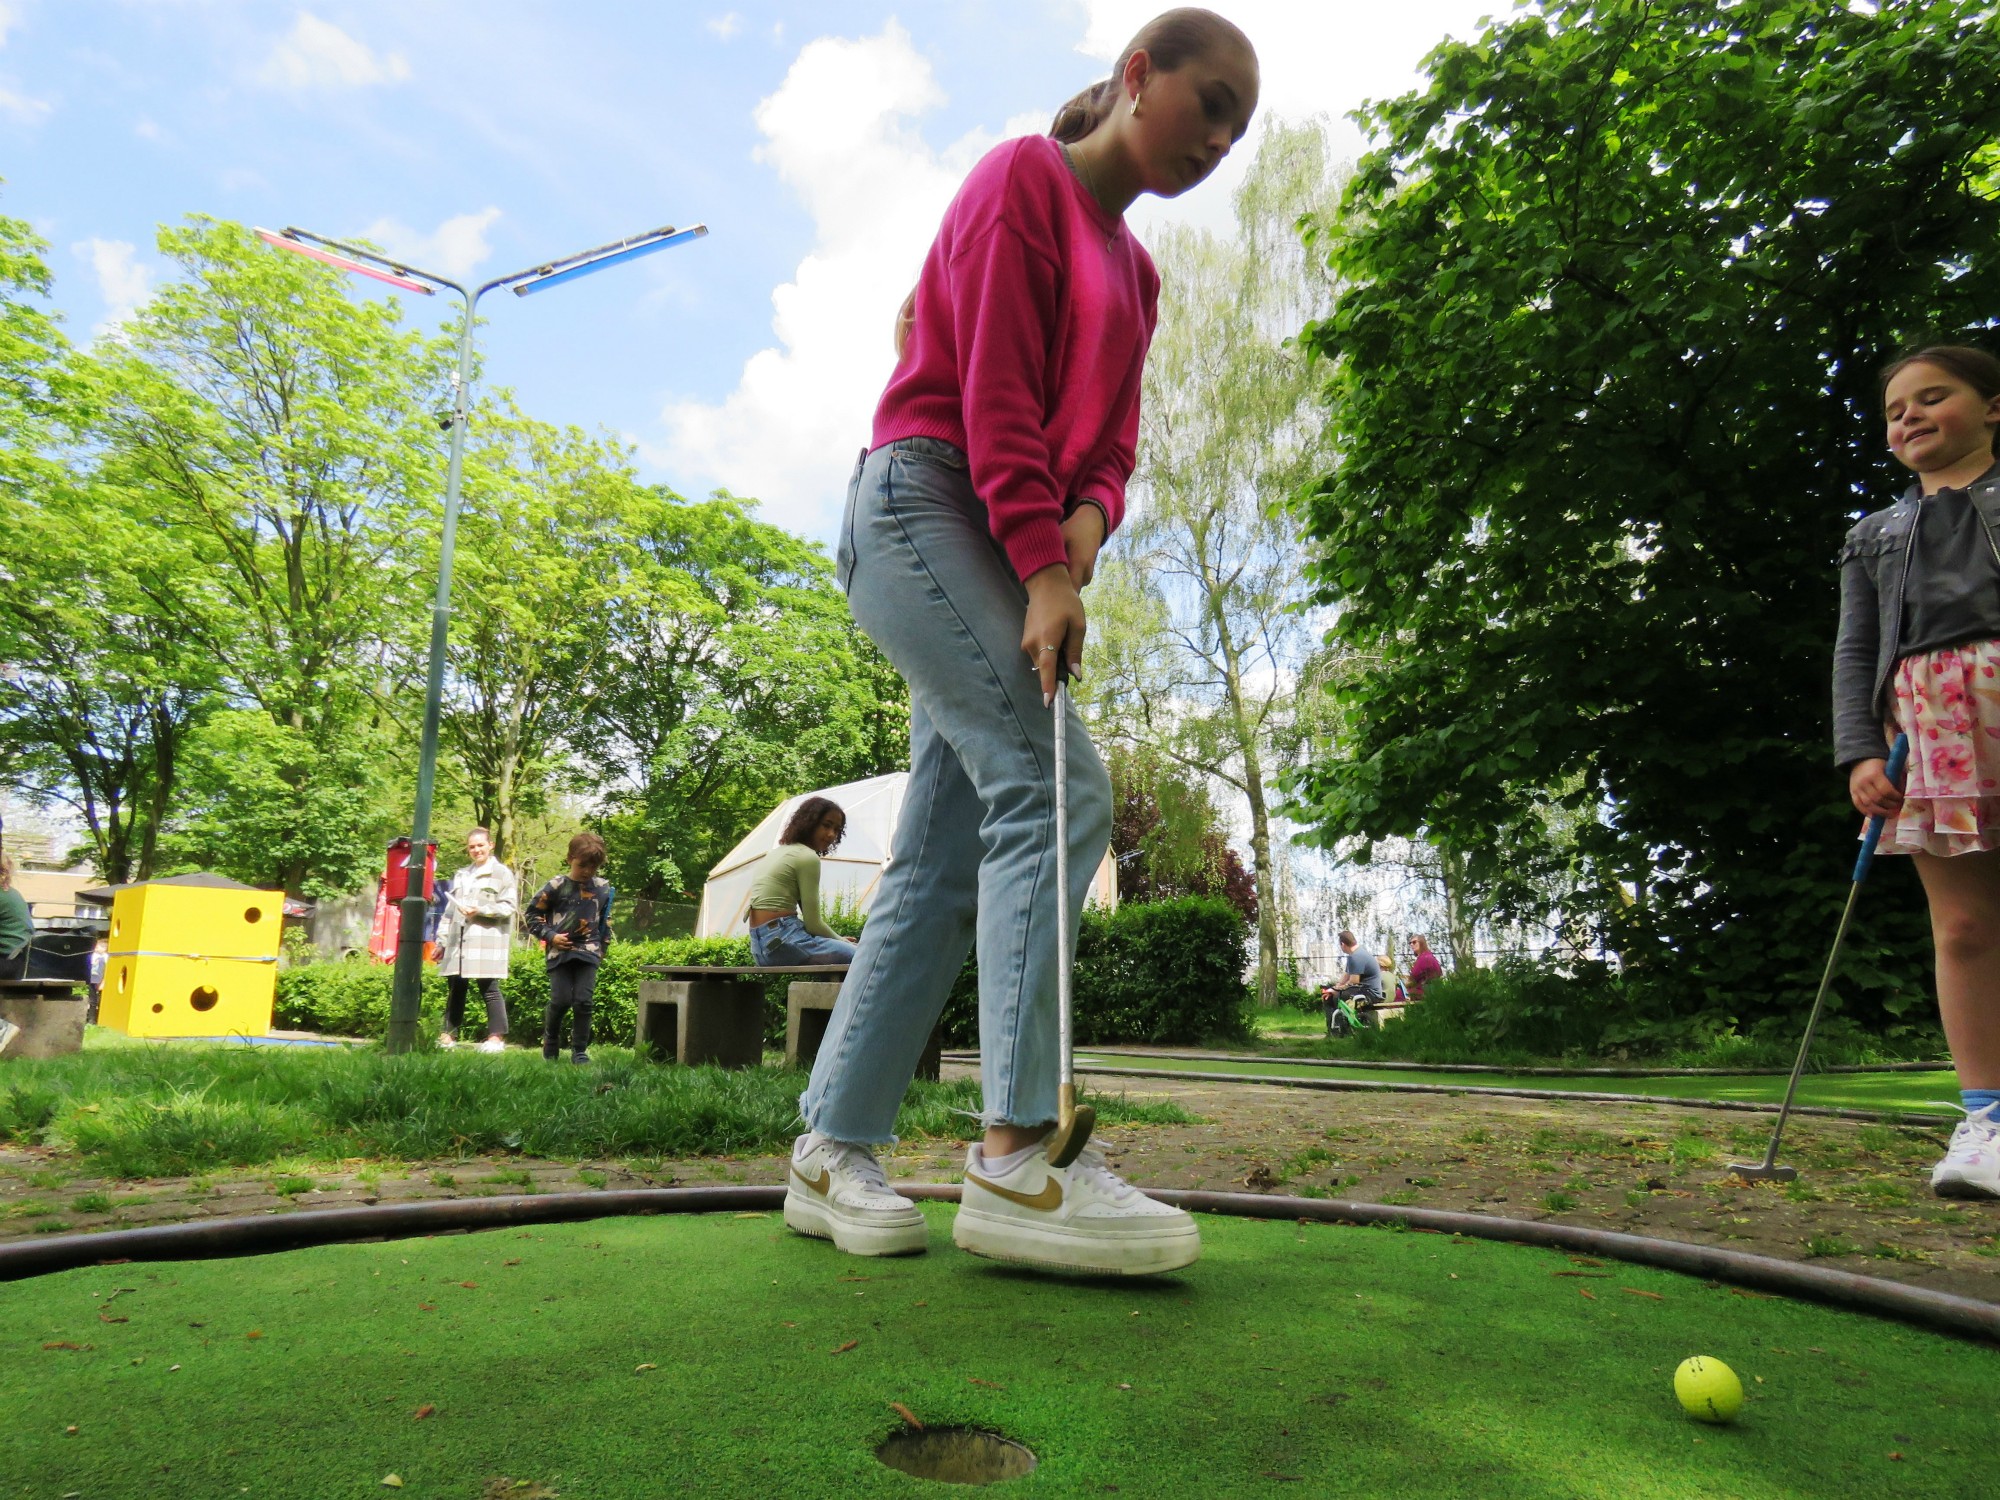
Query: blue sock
(1975, 1100)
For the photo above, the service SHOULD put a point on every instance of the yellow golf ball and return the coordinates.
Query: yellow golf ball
(1708, 1389)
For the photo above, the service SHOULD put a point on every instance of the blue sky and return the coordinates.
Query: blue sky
(819, 142)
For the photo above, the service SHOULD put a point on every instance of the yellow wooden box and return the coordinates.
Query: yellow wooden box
(192, 961)
(154, 917)
(164, 994)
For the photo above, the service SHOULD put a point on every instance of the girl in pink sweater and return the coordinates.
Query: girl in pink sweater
(997, 467)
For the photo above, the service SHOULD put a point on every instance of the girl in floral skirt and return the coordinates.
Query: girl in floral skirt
(1919, 654)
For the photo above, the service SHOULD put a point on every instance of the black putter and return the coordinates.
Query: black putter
(1768, 1170)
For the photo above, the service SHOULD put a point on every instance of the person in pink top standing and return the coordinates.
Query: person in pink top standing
(996, 470)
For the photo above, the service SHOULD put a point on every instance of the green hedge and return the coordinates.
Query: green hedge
(1155, 971)
(1164, 971)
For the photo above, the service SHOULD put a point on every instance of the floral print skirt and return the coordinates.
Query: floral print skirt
(1948, 703)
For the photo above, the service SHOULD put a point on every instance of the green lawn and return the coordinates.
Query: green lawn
(721, 1356)
(169, 1110)
(1916, 1093)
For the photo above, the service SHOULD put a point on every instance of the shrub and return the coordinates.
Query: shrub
(1156, 971)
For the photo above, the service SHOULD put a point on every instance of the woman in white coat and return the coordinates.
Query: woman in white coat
(474, 940)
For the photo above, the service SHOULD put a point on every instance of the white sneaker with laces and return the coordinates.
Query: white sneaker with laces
(494, 1044)
(1971, 1168)
(836, 1190)
(1083, 1217)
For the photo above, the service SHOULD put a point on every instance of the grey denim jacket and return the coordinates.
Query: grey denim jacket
(1874, 573)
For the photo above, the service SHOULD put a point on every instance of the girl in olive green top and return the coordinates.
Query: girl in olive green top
(785, 924)
(16, 927)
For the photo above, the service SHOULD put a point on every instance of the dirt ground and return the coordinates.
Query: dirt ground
(1862, 1201)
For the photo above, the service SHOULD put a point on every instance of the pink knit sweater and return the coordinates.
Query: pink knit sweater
(1034, 311)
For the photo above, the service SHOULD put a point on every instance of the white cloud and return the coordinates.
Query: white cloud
(147, 130)
(837, 133)
(318, 54)
(455, 248)
(726, 27)
(10, 17)
(21, 108)
(122, 280)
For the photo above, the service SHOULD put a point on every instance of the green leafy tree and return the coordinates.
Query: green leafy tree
(734, 677)
(540, 556)
(1614, 290)
(281, 431)
(1204, 632)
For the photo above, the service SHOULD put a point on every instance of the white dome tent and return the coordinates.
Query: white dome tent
(851, 874)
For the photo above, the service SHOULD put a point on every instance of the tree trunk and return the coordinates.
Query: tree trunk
(1460, 921)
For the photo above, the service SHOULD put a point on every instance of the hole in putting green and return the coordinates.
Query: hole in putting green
(955, 1455)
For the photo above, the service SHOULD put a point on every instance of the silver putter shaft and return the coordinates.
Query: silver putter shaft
(1073, 1125)
(1768, 1170)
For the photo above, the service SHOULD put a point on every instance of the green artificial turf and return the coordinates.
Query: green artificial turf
(721, 1356)
(1912, 1093)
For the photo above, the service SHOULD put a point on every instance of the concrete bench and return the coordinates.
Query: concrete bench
(809, 1005)
(713, 1013)
(50, 1013)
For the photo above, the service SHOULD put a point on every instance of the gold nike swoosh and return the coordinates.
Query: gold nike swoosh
(818, 1185)
(1047, 1200)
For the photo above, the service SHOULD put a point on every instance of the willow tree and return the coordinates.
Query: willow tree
(1204, 638)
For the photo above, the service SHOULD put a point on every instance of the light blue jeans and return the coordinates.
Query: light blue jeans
(786, 941)
(974, 852)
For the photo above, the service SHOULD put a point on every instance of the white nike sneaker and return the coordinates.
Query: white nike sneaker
(1083, 1217)
(836, 1190)
(494, 1044)
(1971, 1168)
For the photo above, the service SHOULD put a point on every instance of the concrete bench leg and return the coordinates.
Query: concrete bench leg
(659, 1006)
(49, 1028)
(720, 1021)
(808, 1007)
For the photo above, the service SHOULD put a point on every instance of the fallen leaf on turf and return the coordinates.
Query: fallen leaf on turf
(510, 1262)
(925, 1303)
(172, 1368)
(1584, 1260)
(791, 1325)
(1595, 1275)
(67, 1345)
(69, 1431)
(1897, 1457)
(1737, 1291)
(424, 1411)
(392, 1481)
(987, 1383)
(425, 1307)
(850, 1344)
(642, 1369)
(857, 1278)
(1588, 1293)
(103, 1319)
(1123, 1386)
(1633, 1291)
(906, 1414)
(751, 1216)
(255, 1333)
(470, 1286)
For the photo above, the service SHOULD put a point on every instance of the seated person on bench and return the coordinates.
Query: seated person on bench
(785, 925)
(1363, 972)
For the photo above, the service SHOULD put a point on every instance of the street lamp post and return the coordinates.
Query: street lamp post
(408, 992)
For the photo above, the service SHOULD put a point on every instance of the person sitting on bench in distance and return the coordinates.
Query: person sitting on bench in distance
(785, 925)
(1364, 971)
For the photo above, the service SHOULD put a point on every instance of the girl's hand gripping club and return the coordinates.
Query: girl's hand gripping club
(1073, 1125)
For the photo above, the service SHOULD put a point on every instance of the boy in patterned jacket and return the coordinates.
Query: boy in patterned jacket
(572, 917)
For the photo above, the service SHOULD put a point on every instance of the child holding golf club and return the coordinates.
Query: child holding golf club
(1919, 654)
(998, 465)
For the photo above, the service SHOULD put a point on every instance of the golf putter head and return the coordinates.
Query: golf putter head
(1073, 1126)
(1762, 1171)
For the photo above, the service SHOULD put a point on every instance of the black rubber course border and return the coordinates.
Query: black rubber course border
(1943, 1312)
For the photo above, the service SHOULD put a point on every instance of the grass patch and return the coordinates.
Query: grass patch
(168, 1111)
(91, 1203)
(1829, 1245)
(1558, 1203)
(291, 1187)
(592, 1179)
